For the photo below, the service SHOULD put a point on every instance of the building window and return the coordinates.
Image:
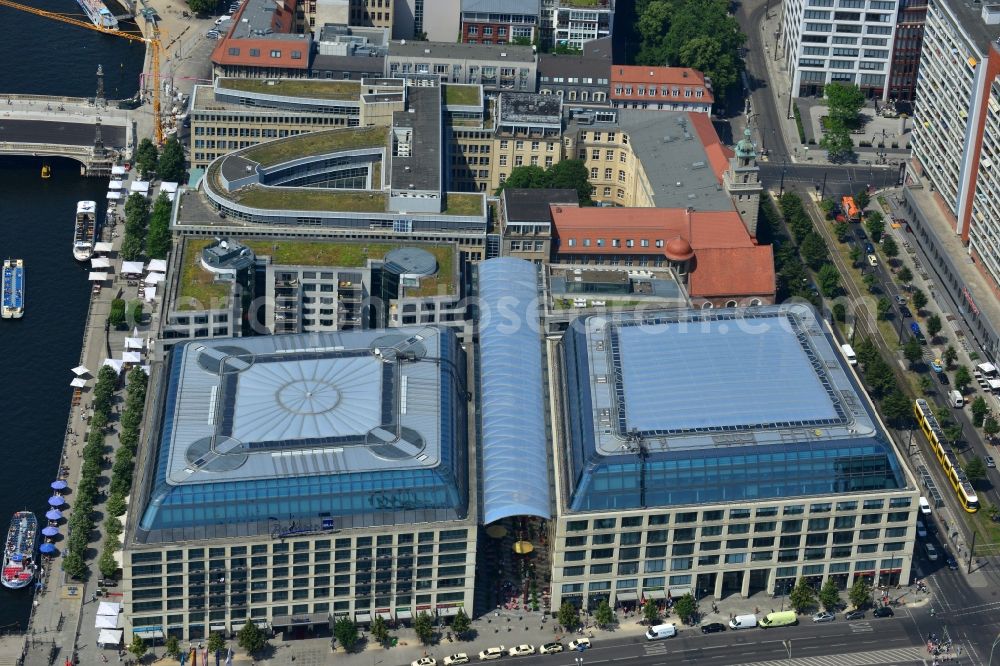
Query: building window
(275, 54)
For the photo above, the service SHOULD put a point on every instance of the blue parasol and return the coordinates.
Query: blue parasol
(47, 548)
(53, 514)
(50, 531)
(58, 485)
(56, 500)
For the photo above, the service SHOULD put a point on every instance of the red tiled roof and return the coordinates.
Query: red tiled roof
(718, 154)
(664, 80)
(234, 50)
(737, 271)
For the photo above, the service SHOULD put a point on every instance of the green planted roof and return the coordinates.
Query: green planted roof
(307, 88)
(316, 143)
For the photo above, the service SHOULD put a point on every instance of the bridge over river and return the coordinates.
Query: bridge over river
(77, 128)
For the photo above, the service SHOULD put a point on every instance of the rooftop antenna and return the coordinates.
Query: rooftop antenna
(99, 98)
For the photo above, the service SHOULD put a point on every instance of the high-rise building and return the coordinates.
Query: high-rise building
(838, 41)
(906, 49)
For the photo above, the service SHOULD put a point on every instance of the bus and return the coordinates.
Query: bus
(851, 210)
(946, 456)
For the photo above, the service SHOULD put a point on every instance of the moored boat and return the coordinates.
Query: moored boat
(99, 14)
(12, 302)
(46, 171)
(19, 554)
(85, 231)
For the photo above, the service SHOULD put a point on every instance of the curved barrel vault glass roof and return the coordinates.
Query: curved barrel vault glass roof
(689, 407)
(515, 459)
(303, 432)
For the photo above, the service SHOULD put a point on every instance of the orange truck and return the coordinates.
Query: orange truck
(851, 210)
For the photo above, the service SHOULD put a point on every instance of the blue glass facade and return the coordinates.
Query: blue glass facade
(351, 499)
(602, 482)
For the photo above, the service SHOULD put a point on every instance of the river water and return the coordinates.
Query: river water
(42, 56)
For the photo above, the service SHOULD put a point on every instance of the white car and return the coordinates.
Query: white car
(580, 644)
(456, 659)
(492, 653)
(551, 648)
(824, 617)
(519, 650)
(425, 661)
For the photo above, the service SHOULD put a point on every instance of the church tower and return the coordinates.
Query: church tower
(742, 181)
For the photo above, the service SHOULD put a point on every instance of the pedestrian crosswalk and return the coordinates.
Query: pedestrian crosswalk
(861, 627)
(655, 648)
(897, 657)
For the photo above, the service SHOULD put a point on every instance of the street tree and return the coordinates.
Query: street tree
(905, 275)
(926, 385)
(949, 356)
(955, 435)
(836, 141)
(875, 225)
(461, 624)
(146, 156)
(172, 646)
(871, 282)
(346, 633)
(883, 307)
(975, 469)
(933, 326)
(855, 254)
(979, 411)
(839, 312)
(813, 250)
(686, 608)
(107, 564)
(913, 351)
(862, 198)
(650, 612)
(919, 299)
(844, 102)
(991, 427)
(380, 631)
(889, 247)
(216, 643)
(829, 282)
(842, 230)
(137, 647)
(423, 626)
(860, 593)
(604, 616)
(962, 378)
(170, 165)
(802, 596)
(158, 238)
(202, 7)
(568, 616)
(251, 638)
(829, 595)
(827, 206)
(896, 407)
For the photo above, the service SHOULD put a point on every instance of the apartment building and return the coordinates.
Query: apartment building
(528, 133)
(433, 20)
(635, 521)
(581, 78)
(496, 68)
(500, 21)
(526, 221)
(839, 41)
(573, 23)
(906, 49)
(660, 89)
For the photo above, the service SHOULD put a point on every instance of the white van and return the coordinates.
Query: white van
(925, 506)
(955, 399)
(849, 354)
(872, 260)
(743, 622)
(661, 631)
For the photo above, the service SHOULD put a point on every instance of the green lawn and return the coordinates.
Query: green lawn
(296, 198)
(317, 143)
(197, 283)
(309, 88)
(583, 3)
(441, 282)
(464, 95)
(463, 204)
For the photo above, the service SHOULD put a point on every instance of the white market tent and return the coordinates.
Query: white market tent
(132, 267)
(131, 357)
(96, 276)
(994, 385)
(109, 608)
(114, 196)
(100, 262)
(168, 187)
(79, 382)
(157, 266)
(986, 368)
(103, 246)
(115, 185)
(117, 170)
(140, 186)
(155, 278)
(149, 294)
(110, 637)
(135, 343)
(109, 621)
(114, 363)
(81, 370)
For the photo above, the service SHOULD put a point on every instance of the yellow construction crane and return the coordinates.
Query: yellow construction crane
(154, 45)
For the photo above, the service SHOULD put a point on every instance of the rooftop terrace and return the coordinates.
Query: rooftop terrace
(309, 88)
(197, 283)
(463, 95)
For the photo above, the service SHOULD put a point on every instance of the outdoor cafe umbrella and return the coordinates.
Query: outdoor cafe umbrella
(53, 514)
(81, 370)
(56, 500)
(523, 547)
(50, 531)
(47, 548)
(58, 485)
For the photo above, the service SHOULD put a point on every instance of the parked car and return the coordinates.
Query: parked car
(456, 659)
(713, 628)
(931, 551)
(580, 644)
(882, 611)
(551, 648)
(424, 661)
(519, 650)
(900, 299)
(952, 563)
(824, 617)
(905, 313)
(943, 378)
(990, 462)
(869, 248)
(856, 614)
(921, 529)
(936, 366)
(489, 654)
